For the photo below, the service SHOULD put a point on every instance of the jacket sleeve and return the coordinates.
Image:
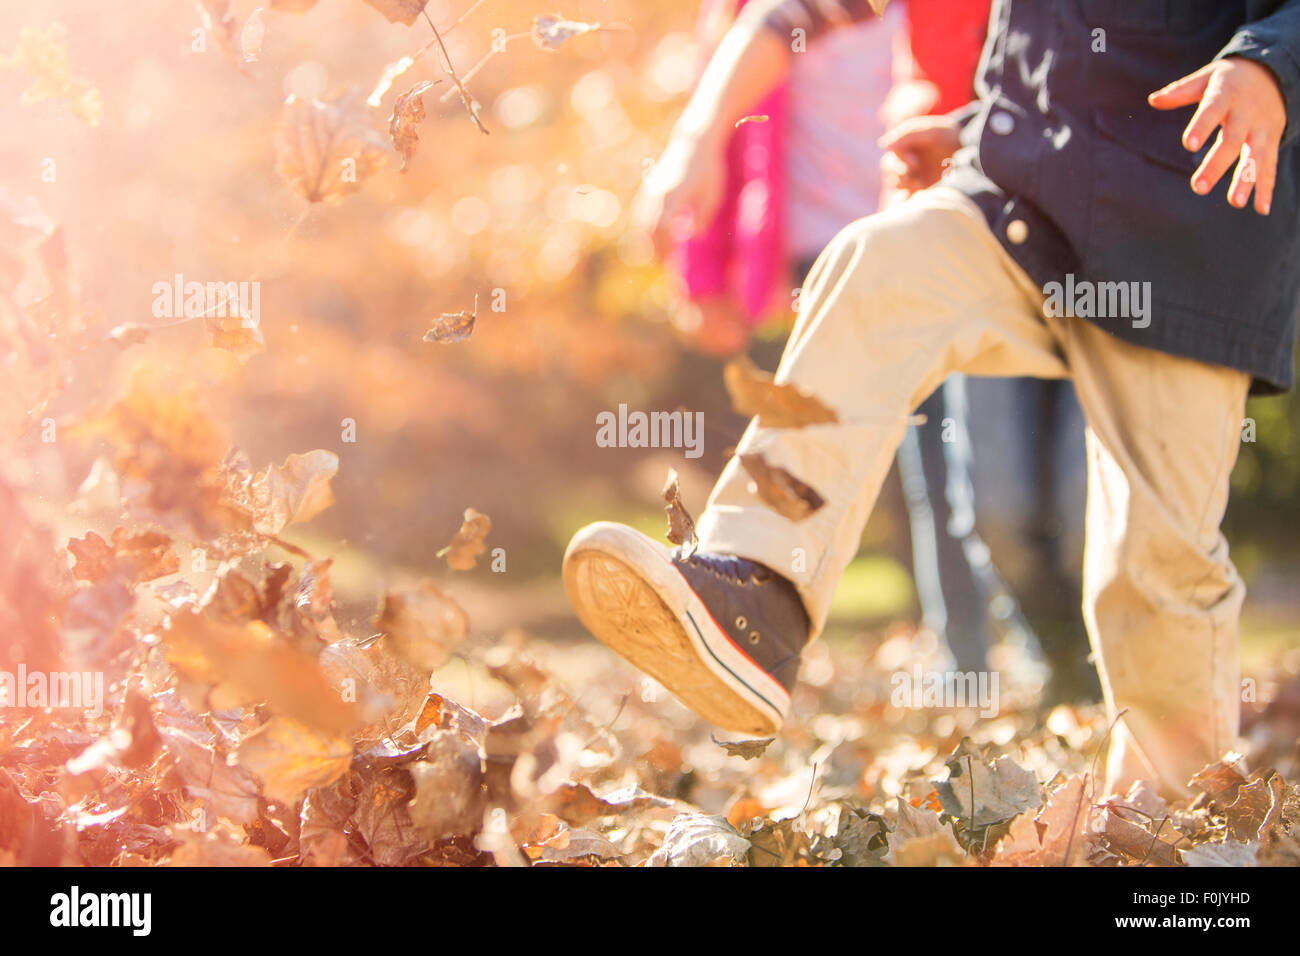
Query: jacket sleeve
(1274, 41)
(818, 17)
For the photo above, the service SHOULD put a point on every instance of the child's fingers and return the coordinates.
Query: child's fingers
(1263, 156)
(1212, 111)
(1182, 92)
(1227, 147)
(1243, 178)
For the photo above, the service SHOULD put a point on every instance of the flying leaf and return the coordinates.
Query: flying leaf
(1000, 788)
(453, 327)
(463, 551)
(327, 149)
(755, 392)
(296, 491)
(681, 526)
(748, 749)
(408, 113)
(551, 31)
(133, 557)
(779, 490)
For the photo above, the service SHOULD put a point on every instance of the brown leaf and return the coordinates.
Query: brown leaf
(449, 797)
(217, 847)
(383, 818)
(296, 491)
(132, 557)
(327, 149)
(254, 665)
(748, 749)
(423, 625)
(1246, 814)
(1221, 779)
(1053, 837)
(408, 113)
(1134, 840)
(577, 805)
(291, 758)
(1000, 788)
(780, 843)
(755, 393)
(453, 327)
(463, 551)
(697, 839)
(779, 490)
(238, 334)
(681, 527)
(399, 11)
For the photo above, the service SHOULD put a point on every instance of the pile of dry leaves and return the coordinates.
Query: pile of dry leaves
(242, 726)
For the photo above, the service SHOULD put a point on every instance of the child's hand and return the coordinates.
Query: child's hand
(915, 151)
(1243, 98)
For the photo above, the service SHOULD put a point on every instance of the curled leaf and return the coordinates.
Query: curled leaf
(408, 113)
(453, 327)
(681, 526)
(462, 554)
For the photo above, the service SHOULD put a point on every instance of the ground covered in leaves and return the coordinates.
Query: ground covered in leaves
(242, 725)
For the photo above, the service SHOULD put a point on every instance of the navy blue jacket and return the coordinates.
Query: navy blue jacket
(1079, 177)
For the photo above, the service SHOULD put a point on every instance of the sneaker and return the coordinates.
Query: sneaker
(721, 633)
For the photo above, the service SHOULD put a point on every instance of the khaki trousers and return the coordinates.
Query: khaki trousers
(898, 301)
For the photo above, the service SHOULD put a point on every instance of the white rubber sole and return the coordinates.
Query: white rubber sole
(627, 592)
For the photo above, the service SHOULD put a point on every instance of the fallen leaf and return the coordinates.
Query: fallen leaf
(999, 787)
(132, 557)
(1228, 853)
(779, 490)
(1053, 837)
(291, 758)
(698, 839)
(449, 797)
(1221, 779)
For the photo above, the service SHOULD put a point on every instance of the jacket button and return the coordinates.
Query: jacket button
(1017, 231)
(1002, 123)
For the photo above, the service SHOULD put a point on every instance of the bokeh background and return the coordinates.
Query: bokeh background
(176, 173)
